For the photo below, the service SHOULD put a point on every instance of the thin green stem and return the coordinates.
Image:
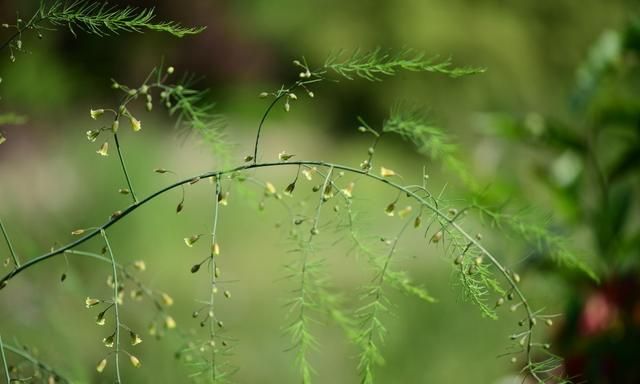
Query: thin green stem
(124, 169)
(115, 303)
(262, 120)
(14, 256)
(4, 361)
(279, 95)
(212, 288)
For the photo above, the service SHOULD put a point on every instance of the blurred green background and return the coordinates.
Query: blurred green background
(52, 182)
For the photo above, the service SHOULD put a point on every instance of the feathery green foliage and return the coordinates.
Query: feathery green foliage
(103, 19)
(412, 125)
(553, 245)
(372, 65)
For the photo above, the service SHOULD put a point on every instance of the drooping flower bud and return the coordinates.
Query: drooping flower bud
(95, 113)
(101, 365)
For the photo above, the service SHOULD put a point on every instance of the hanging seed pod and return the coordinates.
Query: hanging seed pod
(108, 341)
(135, 339)
(437, 237)
(100, 320)
(289, 190)
(390, 209)
(195, 268)
(417, 222)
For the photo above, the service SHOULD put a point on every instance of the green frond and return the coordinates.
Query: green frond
(194, 113)
(412, 125)
(400, 281)
(102, 19)
(374, 64)
(545, 242)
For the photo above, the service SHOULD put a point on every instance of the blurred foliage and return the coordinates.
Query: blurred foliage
(591, 170)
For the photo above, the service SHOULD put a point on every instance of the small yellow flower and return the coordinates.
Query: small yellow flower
(77, 232)
(215, 249)
(95, 113)
(189, 241)
(140, 265)
(284, 156)
(135, 124)
(101, 365)
(135, 361)
(104, 149)
(169, 322)
(348, 191)
(269, 189)
(437, 237)
(386, 172)
(92, 135)
(2, 138)
(89, 302)
(167, 300)
(153, 329)
(100, 320)
(308, 173)
(404, 212)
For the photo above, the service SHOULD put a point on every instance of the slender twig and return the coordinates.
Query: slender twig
(115, 304)
(443, 215)
(124, 169)
(14, 256)
(279, 95)
(4, 361)
(212, 288)
(262, 120)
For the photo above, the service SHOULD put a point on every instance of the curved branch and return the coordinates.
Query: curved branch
(443, 215)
